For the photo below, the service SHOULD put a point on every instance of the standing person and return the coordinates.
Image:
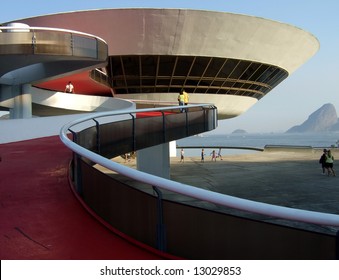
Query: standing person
(214, 157)
(186, 98)
(69, 87)
(322, 161)
(329, 163)
(202, 155)
(181, 100)
(182, 155)
(219, 154)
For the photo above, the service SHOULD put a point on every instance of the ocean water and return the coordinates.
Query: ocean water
(315, 140)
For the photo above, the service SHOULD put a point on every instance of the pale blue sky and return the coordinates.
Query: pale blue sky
(307, 89)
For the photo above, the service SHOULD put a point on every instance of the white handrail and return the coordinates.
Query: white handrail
(191, 191)
(31, 29)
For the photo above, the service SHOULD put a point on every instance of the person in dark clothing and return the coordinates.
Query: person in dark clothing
(202, 155)
(322, 161)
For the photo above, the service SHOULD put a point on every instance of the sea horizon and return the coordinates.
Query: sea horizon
(194, 144)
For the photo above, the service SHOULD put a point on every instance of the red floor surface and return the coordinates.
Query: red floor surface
(40, 218)
(83, 84)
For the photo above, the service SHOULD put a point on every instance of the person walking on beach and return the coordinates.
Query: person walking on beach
(202, 155)
(322, 161)
(214, 157)
(182, 155)
(219, 154)
(329, 163)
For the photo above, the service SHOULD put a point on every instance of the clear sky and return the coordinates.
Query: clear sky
(306, 90)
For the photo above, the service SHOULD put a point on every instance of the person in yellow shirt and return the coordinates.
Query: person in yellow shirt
(186, 97)
(181, 99)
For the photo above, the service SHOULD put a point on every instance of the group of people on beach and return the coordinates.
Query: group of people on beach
(326, 160)
(214, 155)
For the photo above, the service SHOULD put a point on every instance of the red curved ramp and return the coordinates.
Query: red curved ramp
(40, 218)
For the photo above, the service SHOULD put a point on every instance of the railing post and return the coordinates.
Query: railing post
(187, 126)
(161, 231)
(215, 116)
(337, 246)
(76, 167)
(133, 132)
(205, 117)
(72, 44)
(97, 48)
(163, 126)
(33, 41)
(97, 125)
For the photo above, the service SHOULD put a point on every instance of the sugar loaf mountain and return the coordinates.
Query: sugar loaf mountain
(323, 119)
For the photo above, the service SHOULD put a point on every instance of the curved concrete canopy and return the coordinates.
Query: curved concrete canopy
(250, 55)
(191, 32)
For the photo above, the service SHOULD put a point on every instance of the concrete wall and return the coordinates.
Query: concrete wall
(191, 32)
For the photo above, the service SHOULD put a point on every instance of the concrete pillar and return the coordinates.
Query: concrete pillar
(6, 99)
(173, 148)
(155, 160)
(22, 102)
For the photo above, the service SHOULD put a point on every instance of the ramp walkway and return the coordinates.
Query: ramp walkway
(40, 216)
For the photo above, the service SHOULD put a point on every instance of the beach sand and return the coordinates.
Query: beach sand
(285, 177)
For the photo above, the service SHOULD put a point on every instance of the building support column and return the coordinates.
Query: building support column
(155, 160)
(22, 102)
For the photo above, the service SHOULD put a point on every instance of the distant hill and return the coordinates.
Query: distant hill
(323, 119)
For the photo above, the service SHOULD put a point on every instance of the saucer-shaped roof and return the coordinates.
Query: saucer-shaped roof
(191, 32)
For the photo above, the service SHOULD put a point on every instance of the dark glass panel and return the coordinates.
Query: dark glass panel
(228, 84)
(216, 83)
(196, 74)
(240, 69)
(178, 81)
(199, 67)
(130, 65)
(215, 67)
(183, 66)
(115, 65)
(211, 90)
(119, 81)
(278, 78)
(166, 65)
(148, 65)
(245, 85)
(238, 85)
(258, 69)
(163, 82)
(148, 82)
(133, 81)
(250, 71)
(228, 68)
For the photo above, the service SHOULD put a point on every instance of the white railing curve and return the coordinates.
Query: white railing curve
(191, 191)
(62, 30)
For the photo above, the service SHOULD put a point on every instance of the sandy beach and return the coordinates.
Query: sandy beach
(285, 177)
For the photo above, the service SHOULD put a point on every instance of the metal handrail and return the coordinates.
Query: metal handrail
(191, 191)
(74, 49)
(33, 29)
